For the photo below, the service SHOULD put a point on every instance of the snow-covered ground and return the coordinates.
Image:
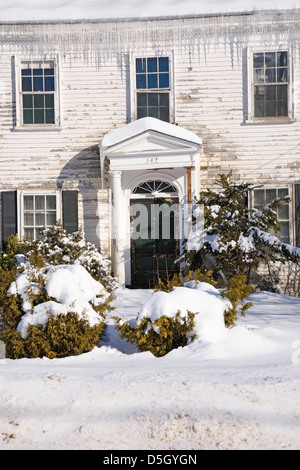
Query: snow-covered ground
(239, 391)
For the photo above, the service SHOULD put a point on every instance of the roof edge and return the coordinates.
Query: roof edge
(149, 18)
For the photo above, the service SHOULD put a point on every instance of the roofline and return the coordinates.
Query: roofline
(149, 18)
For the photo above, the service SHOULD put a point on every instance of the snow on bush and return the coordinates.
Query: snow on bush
(197, 297)
(71, 287)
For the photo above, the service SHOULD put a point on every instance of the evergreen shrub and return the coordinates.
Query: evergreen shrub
(64, 333)
(161, 335)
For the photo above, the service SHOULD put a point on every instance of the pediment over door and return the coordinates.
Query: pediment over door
(149, 141)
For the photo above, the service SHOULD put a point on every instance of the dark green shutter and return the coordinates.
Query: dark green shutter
(297, 212)
(70, 211)
(9, 215)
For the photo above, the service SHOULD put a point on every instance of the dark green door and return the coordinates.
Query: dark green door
(155, 246)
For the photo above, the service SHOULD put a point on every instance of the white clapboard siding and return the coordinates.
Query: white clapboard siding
(209, 70)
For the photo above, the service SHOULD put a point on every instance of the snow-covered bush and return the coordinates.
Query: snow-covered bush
(50, 304)
(173, 319)
(159, 336)
(59, 247)
(237, 239)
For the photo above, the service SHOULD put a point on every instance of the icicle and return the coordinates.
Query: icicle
(96, 42)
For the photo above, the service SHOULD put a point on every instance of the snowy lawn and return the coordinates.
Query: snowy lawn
(238, 390)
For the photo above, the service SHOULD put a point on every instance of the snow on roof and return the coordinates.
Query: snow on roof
(34, 10)
(142, 125)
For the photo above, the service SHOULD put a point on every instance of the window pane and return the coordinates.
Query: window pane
(37, 72)
(163, 80)
(164, 114)
(27, 116)
(39, 116)
(49, 83)
(49, 71)
(25, 72)
(283, 212)
(282, 92)
(282, 59)
(259, 76)
(40, 219)
(259, 198)
(51, 218)
(282, 75)
(27, 101)
(26, 84)
(50, 118)
(283, 192)
(28, 203)
(141, 81)
(152, 64)
(152, 81)
(282, 109)
(270, 195)
(258, 60)
(38, 84)
(38, 101)
(164, 99)
(142, 99)
(153, 112)
(141, 113)
(270, 109)
(141, 65)
(163, 64)
(270, 59)
(259, 109)
(49, 101)
(270, 75)
(271, 92)
(39, 203)
(29, 234)
(28, 218)
(153, 99)
(284, 231)
(51, 202)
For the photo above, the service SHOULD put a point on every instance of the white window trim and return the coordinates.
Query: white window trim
(290, 189)
(133, 91)
(250, 119)
(18, 124)
(20, 198)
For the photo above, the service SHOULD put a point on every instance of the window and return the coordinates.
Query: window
(38, 211)
(270, 83)
(263, 197)
(153, 87)
(38, 93)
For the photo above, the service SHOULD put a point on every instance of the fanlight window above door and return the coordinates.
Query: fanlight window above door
(154, 186)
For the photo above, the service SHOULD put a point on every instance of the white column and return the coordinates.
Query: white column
(118, 249)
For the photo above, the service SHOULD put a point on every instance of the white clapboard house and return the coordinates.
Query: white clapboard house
(97, 116)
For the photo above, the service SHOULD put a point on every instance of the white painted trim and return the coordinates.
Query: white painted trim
(18, 124)
(250, 86)
(161, 53)
(34, 192)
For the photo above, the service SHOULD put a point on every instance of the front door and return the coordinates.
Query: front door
(154, 240)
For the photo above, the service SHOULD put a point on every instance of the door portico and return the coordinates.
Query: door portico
(143, 151)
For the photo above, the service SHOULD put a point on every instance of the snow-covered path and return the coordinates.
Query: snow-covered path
(198, 397)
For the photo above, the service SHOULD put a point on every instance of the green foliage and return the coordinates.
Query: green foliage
(159, 336)
(237, 290)
(237, 238)
(63, 335)
(179, 279)
(59, 247)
